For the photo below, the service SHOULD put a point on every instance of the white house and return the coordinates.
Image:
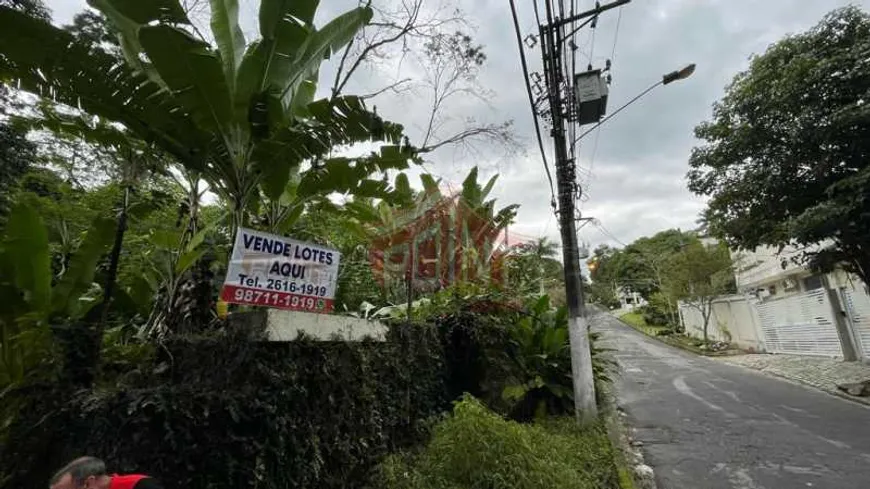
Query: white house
(790, 308)
(629, 299)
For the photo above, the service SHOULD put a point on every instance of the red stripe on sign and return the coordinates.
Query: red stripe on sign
(275, 299)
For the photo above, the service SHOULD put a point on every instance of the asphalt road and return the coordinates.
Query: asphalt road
(705, 424)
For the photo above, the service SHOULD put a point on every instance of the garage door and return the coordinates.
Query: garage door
(858, 307)
(800, 325)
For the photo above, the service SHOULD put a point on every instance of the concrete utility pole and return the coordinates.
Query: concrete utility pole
(552, 44)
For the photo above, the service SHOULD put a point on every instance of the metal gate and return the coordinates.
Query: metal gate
(801, 324)
(858, 308)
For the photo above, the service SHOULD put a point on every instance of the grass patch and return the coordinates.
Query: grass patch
(636, 321)
(476, 448)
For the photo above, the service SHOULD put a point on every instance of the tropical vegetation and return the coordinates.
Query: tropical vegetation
(134, 143)
(784, 159)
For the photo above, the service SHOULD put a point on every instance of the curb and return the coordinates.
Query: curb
(631, 468)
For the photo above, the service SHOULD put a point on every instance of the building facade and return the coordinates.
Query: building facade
(784, 307)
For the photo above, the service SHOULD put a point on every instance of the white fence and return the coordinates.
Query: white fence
(732, 319)
(857, 304)
(801, 324)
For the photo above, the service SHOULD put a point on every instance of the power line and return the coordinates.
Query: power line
(532, 98)
(598, 128)
(607, 233)
(616, 35)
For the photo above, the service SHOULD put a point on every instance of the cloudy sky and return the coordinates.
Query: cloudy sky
(633, 169)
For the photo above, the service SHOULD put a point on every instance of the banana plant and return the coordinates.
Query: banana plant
(541, 362)
(29, 303)
(174, 255)
(243, 115)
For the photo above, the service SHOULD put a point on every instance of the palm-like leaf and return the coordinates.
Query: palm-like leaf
(228, 37)
(193, 72)
(49, 62)
(243, 121)
(27, 251)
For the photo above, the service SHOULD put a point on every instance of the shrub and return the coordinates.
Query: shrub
(477, 448)
(229, 412)
(654, 316)
(540, 356)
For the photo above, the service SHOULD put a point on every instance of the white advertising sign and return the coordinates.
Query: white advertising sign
(274, 271)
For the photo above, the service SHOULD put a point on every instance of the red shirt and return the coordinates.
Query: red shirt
(126, 481)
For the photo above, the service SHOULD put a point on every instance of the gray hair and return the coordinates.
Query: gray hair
(80, 469)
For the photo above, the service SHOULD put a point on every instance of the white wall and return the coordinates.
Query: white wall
(286, 326)
(763, 265)
(733, 313)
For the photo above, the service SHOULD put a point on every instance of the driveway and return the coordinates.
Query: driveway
(707, 424)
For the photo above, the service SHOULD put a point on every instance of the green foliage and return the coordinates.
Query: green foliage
(785, 156)
(638, 267)
(34, 300)
(515, 357)
(541, 357)
(533, 268)
(660, 310)
(700, 271)
(698, 274)
(230, 411)
(246, 121)
(476, 448)
(17, 155)
(634, 318)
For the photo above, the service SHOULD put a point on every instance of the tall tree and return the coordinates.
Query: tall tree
(786, 157)
(697, 275)
(533, 266)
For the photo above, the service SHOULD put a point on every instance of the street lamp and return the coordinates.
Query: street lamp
(671, 77)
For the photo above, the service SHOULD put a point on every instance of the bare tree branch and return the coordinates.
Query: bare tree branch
(397, 87)
(499, 133)
(402, 25)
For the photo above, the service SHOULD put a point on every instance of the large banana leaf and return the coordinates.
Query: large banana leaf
(319, 46)
(336, 122)
(80, 273)
(350, 175)
(291, 51)
(48, 61)
(273, 11)
(265, 60)
(128, 38)
(26, 249)
(193, 72)
(228, 37)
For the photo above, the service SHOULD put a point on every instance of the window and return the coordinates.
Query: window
(813, 282)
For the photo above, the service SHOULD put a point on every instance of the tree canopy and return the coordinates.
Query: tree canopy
(784, 159)
(697, 275)
(639, 266)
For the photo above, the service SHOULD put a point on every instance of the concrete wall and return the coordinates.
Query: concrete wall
(286, 326)
(733, 313)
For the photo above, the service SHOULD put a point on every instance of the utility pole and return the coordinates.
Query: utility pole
(568, 191)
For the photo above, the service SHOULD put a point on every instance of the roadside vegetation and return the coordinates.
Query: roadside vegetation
(133, 147)
(474, 447)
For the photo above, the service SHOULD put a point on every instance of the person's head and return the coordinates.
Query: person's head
(81, 473)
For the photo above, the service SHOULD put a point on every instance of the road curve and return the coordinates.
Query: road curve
(705, 424)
